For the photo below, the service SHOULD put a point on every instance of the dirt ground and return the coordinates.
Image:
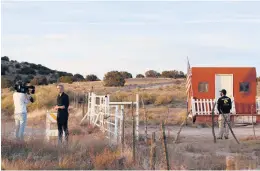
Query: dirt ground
(195, 143)
(195, 149)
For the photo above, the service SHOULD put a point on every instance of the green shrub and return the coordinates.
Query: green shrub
(27, 71)
(92, 77)
(34, 66)
(172, 74)
(17, 66)
(152, 74)
(44, 72)
(181, 74)
(126, 75)
(60, 74)
(4, 69)
(78, 77)
(169, 74)
(139, 76)
(5, 58)
(114, 78)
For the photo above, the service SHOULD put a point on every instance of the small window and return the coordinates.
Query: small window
(203, 87)
(244, 87)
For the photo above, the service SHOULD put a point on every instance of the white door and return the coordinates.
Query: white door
(223, 81)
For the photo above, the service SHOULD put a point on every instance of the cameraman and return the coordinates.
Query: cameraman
(21, 98)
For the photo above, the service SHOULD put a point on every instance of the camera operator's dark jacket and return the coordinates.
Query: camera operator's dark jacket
(224, 105)
(63, 100)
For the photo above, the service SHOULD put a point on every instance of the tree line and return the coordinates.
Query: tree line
(41, 75)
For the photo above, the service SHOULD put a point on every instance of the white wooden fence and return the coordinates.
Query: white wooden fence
(204, 106)
(108, 116)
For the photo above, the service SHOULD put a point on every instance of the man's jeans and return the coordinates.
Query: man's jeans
(223, 126)
(20, 123)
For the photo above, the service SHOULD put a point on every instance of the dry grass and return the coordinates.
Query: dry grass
(45, 97)
(157, 115)
(7, 107)
(139, 81)
(39, 155)
(106, 159)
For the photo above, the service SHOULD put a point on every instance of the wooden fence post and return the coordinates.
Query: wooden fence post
(83, 105)
(152, 152)
(168, 112)
(123, 132)
(145, 122)
(164, 143)
(133, 122)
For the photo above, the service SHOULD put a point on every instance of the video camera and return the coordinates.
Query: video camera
(21, 87)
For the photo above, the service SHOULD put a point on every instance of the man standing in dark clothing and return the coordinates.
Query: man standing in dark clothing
(224, 107)
(62, 114)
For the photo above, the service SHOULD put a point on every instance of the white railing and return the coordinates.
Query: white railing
(108, 116)
(258, 105)
(204, 106)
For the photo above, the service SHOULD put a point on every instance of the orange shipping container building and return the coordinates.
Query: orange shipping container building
(240, 83)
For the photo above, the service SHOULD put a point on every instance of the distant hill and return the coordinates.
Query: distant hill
(12, 71)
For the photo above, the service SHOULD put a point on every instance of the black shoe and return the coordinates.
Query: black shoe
(226, 137)
(219, 138)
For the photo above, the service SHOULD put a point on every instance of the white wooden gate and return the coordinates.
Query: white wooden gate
(108, 116)
(204, 106)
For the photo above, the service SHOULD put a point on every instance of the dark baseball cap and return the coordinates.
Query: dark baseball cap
(223, 91)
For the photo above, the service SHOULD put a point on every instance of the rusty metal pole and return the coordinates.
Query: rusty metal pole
(153, 152)
(164, 143)
(213, 125)
(123, 132)
(83, 105)
(133, 122)
(145, 122)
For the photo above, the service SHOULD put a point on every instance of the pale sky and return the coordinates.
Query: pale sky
(97, 37)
